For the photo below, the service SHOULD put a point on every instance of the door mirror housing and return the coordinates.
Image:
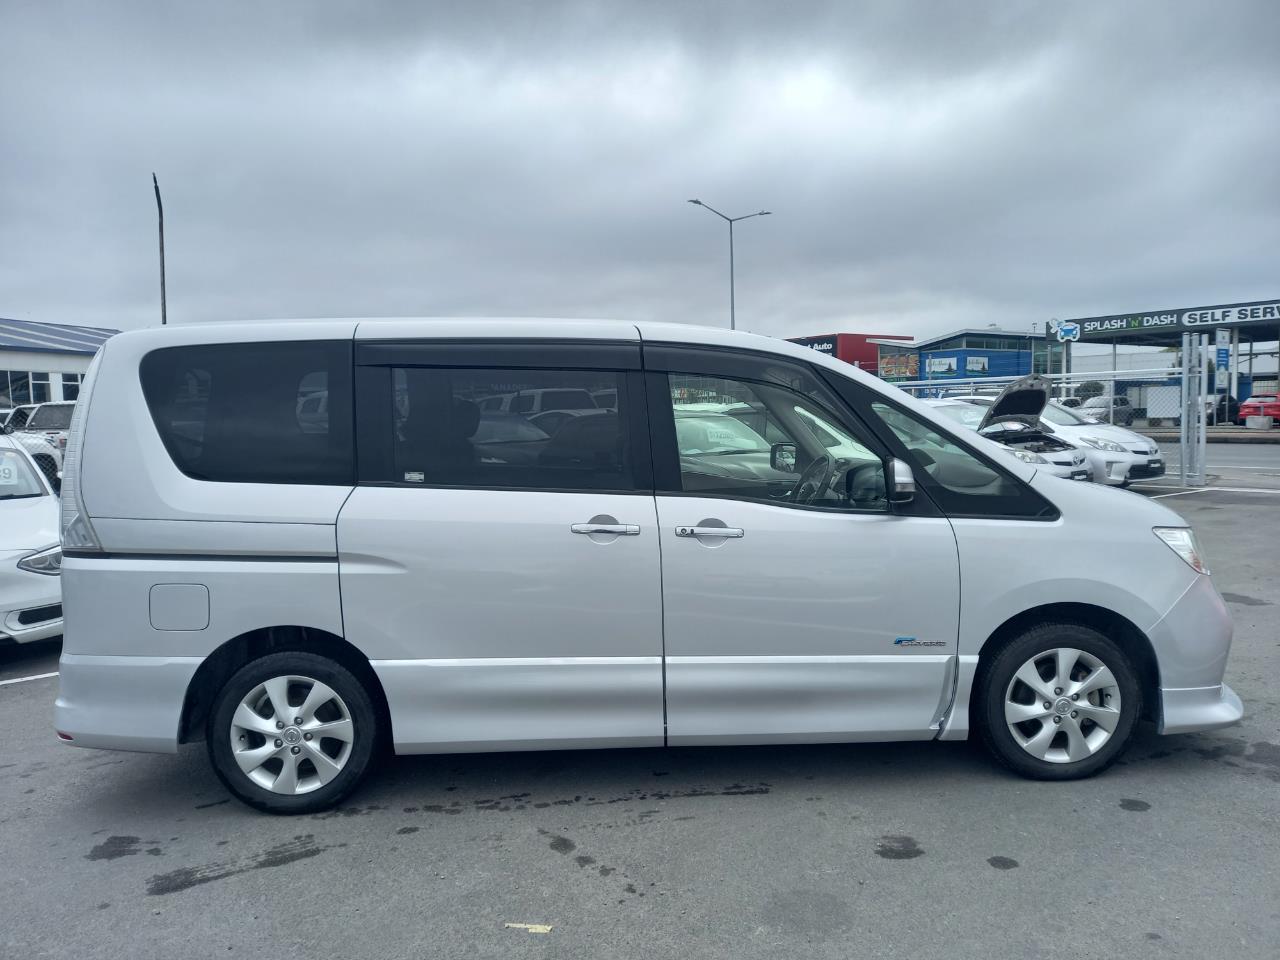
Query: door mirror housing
(902, 482)
(782, 457)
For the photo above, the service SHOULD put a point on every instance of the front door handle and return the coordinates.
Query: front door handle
(617, 529)
(733, 533)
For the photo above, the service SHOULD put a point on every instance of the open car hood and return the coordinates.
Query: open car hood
(1021, 402)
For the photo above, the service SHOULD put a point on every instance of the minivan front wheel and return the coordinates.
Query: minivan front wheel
(1059, 702)
(291, 732)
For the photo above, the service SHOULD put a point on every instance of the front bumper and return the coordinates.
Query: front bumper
(1148, 469)
(30, 603)
(122, 703)
(1065, 471)
(1193, 709)
(1191, 644)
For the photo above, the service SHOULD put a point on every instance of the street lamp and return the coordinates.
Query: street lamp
(731, 221)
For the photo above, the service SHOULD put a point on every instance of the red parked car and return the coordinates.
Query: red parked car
(1261, 405)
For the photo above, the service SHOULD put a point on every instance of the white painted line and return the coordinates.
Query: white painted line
(38, 676)
(1182, 493)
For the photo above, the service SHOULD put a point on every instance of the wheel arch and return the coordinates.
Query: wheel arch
(220, 665)
(1107, 622)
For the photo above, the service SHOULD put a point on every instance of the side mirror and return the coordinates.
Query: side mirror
(782, 457)
(902, 487)
(8, 429)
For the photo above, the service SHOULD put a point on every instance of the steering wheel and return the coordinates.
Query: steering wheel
(814, 481)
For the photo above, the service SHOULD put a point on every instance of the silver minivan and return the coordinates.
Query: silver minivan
(829, 560)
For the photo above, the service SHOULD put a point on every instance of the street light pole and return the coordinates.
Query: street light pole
(733, 320)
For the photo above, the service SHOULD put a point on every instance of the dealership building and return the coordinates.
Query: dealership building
(40, 362)
(959, 355)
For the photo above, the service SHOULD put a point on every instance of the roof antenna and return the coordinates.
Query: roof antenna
(164, 312)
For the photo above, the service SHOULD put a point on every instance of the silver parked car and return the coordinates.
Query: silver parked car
(809, 555)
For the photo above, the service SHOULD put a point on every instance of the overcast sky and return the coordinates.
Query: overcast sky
(929, 165)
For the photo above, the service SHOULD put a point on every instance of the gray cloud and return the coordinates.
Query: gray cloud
(929, 165)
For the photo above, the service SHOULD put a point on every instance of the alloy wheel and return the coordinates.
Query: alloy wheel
(291, 735)
(1062, 705)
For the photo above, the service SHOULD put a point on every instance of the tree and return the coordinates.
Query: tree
(1090, 388)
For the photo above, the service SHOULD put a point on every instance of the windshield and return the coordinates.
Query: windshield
(17, 479)
(965, 413)
(51, 416)
(712, 434)
(1061, 416)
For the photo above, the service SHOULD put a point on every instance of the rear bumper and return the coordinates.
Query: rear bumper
(122, 703)
(1192, 709)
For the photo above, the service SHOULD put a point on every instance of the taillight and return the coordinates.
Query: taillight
(77, 530)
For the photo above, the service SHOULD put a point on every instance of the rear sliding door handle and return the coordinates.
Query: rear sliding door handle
(617, 529)
(733, 533)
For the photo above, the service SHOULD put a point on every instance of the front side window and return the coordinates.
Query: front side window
(957, 478)
(255, 412)
(17, 479)
(546, 431)
(760, 441)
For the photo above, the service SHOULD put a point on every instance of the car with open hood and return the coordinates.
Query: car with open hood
(1116, 455)
(1013, 421)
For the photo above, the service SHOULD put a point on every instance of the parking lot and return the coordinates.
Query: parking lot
(915, 850)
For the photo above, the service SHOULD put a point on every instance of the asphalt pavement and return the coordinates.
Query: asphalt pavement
(886, 851)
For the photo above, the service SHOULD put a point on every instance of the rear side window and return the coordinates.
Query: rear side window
(448, 432)
(255, 412)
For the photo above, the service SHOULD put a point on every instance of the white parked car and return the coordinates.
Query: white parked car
(859, 568)
(51, 421)
(30, 558)
(46, 454)
(1117, 456)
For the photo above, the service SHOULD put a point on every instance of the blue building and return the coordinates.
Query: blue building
(968, 355)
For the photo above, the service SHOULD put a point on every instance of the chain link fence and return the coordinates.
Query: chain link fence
(1153, 404)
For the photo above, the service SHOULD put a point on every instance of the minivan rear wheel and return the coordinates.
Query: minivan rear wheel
(1059, 702)
(291, 733)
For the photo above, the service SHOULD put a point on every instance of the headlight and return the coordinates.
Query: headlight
(1026, 456)
(1099, 444)
(1183, 542)
(48, 562)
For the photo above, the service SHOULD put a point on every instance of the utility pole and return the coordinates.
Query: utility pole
(164, 310)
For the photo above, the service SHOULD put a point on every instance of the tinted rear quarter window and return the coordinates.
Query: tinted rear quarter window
(255, 412)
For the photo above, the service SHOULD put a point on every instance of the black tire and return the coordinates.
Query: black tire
(354, 696)
(994, 683)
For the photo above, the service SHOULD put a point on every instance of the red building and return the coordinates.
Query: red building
(850, 347)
